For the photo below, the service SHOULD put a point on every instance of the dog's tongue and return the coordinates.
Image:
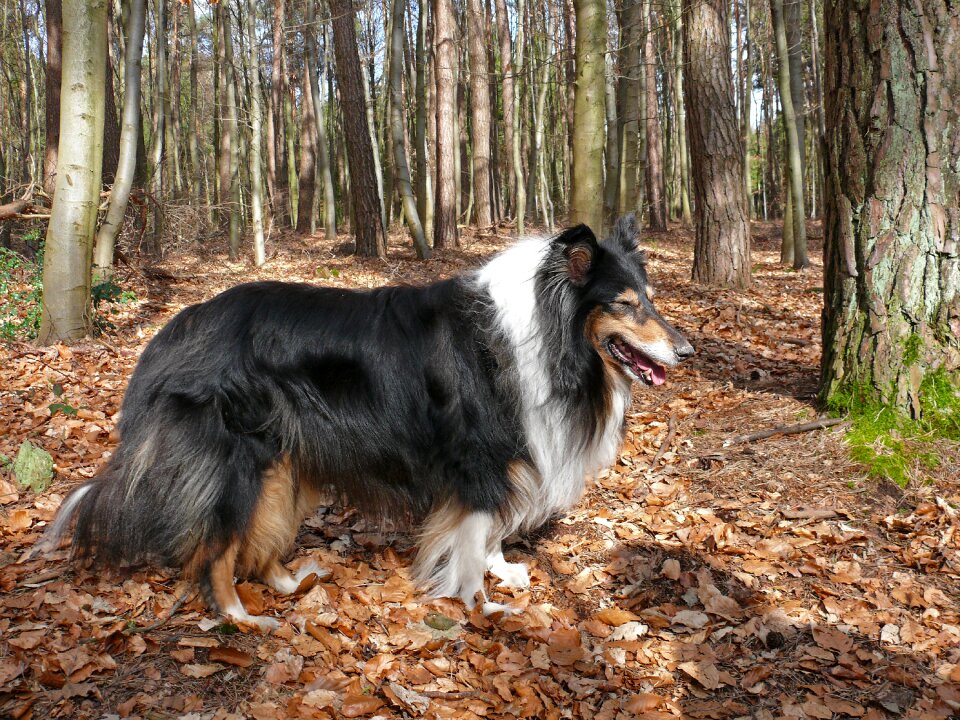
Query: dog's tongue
(642, 364)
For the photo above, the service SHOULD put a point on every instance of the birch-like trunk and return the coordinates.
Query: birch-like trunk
(66, 269)
(256, 131)
(127, 166)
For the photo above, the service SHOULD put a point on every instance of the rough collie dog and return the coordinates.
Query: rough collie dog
(474, 407)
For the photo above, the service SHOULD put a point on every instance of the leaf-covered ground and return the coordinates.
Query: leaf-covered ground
(761, 579)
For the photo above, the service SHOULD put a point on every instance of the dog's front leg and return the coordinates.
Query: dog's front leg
(512, 575)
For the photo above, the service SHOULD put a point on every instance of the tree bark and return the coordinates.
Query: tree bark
(127, 164)
(656, 186)
(517, 150)
(797, 251)
(256, 132)
(722, 243)
(629, 92)
(307, 183)
(478, 35)
(52, 101)
(424, 181)
(892, 274)
(589, 114)
(368, 230)
(445, 233)
(230, 137)
(507, 82)
(66, 268)
(686, 215)
(400, 166)
(323, 157)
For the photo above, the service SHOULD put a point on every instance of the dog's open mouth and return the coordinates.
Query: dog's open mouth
(639, 364)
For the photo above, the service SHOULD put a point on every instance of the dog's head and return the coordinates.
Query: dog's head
(615, 298)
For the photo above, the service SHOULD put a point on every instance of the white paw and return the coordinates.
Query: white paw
(264, 623)
(311, 568)
(512, 575)
(492, 608)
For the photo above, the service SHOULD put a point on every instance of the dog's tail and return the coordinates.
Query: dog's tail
(180, 480)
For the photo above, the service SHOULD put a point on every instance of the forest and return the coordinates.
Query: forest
(779, 534)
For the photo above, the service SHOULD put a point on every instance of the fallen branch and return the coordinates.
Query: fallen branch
(161, 621)
(665, 445)
(784, 430)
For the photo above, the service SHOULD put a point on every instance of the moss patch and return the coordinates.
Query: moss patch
(891, 445)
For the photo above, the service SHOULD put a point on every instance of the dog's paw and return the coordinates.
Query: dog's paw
(492, 608)
(311, 568)
(263, 623)
(512, 575)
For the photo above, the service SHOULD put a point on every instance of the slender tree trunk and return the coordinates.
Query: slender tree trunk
(368, 106)
(401, 169)
(52, 101)
(173, 150)
(445, 232)
(230, 175)
(127, 165)
(308, 134)
(66, 269)
(630, 75)
(519, 179)
(686, 215)
(197, 169)
(424, 183)
(276, 160)
(507, 82)
(546, 204)
(747, 107)
(611, 186)
(26, 109)
(478, 35)
(589, 114)
(323, 157)
(892, 272)
(256, 132)
(656, 186)
(722, 244)
(794, 158)
(368, 229)
(159, 125)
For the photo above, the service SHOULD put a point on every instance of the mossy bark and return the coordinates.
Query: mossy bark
(891, 303)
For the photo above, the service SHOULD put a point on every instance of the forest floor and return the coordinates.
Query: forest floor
(764, 579)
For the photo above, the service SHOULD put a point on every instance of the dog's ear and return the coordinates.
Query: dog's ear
(579, 246)
(625, 233)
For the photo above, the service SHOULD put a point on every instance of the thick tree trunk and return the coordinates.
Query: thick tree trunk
(722, 245)
(401, 169)
(586, 204)
(656, 186)
(52, 101)
(368, 229)
(445, 232)
(66, 267)
(795, 253)
(892, 274)
(127, 165)
(478, 35)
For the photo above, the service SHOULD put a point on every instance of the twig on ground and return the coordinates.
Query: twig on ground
(784, 430)
(161, 621)
(665, 445)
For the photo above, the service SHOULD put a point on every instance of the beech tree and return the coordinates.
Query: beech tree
(586, 202)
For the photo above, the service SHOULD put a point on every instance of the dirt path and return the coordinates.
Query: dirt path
(765, 579)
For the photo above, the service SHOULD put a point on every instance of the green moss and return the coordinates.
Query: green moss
(911, 350)
(890, 444)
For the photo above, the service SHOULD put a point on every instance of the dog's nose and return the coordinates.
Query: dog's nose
(684, 351)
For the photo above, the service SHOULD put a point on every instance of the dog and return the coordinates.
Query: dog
(474, 407)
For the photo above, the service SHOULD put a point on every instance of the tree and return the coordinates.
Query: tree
(586, 204)
(127, 164)
(363, 179)
(722, 243)
(256, 131)
(892, 259)
(66, 268)
(402, 170)
(656, 186)
(445, 233)
(478, 36)
(52, 100)
(795, 252)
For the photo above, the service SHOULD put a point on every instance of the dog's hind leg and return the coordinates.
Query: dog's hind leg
(281, 507)
(214, 574)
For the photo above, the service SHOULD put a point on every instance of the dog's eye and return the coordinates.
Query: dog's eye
(622, 305)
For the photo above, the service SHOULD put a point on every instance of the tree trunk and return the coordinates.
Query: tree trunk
(54, 30)
(308, 135)
(589, 114)
(630, 74)
(478, 35)
(368, 229)
(66, 268)
(230, 137)
(173, 144)
(722, 244)
(656, 187)
(507, 82)
(892, 274)
(445, 232)
(127, 165)
(401, 169)
(26, 106)
(256, 132)
(611, 185)
(323, 157)
(198, 173)
(794, 157)
(747, 104)
(686, 215)
(519, 180)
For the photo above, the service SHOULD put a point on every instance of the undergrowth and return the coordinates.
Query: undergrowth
(891, 445)
(20, 291)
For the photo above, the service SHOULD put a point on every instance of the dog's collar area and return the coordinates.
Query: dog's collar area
(638, 364)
